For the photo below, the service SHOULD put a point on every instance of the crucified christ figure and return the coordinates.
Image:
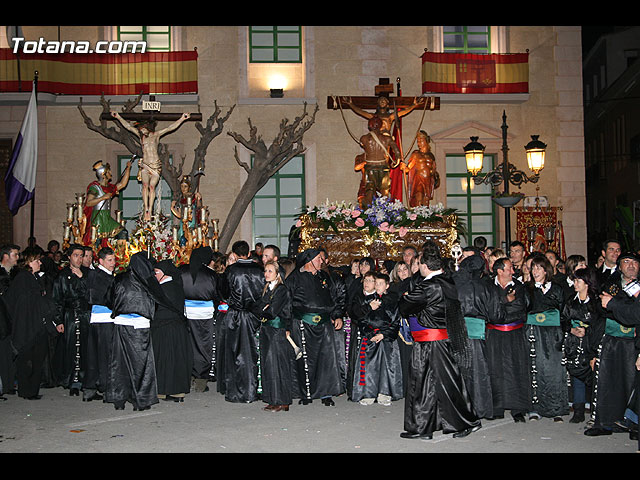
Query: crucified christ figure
(149, 166)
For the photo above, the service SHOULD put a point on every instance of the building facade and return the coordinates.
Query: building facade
(238, 65)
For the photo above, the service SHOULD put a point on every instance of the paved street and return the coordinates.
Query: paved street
(205, 423)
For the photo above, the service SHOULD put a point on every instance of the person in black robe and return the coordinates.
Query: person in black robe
(31, 310)
(132, 300)
(545, 333)
(615, 362)
(318, 305)
(237, 339)
(9, 256)
(276, 353)
(628, 308)
(582, 314)
(400, 284)
(437, 398)
(479, 305)
(73, 312)
(611, 250)
(170, 338)
(378, 369)
(201, 286)
(507, 345)
(99, 280)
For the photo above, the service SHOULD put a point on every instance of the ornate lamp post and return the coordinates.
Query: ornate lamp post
(505, 173)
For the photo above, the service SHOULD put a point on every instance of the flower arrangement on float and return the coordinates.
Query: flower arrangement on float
(382, 215)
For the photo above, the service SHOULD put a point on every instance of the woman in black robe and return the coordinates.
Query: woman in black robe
(31, 310)
(276, 354)
(170, 339)
(545, 332)
(583, 313)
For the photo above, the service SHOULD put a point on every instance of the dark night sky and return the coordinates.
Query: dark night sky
(591, 33)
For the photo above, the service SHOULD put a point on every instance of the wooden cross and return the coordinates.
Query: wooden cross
(384, 88)
(150, 116)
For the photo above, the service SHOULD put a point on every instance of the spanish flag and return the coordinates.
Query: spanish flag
(475, 73)
(96, 74)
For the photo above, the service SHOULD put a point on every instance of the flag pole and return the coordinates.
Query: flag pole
(33, 198)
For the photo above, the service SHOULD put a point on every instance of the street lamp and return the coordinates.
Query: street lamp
(505, 173)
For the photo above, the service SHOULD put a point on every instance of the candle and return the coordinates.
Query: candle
(67, 231)
(175, 234)
(215, 225)
(94, 233)
(185, 213)
(70, 210)
(200, 234)
(118, 216)
(189, 200)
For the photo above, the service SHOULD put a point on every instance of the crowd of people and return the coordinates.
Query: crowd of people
(459, 339)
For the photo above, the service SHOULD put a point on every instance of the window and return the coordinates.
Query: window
(158, 38)
(462, 39)
(276, 206)
(472, 201)
(275, 44)
(130, 199)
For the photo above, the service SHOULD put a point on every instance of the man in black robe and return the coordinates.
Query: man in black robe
(9, 255)
(437, 397)
(507, 345)
(318, 305)
(611, 250)
(72, 311)
(99, 280)
(202, 297)
(615, 364)
(237, 341)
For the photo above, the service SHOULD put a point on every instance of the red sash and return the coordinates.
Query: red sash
(430, 334)
(505, 328)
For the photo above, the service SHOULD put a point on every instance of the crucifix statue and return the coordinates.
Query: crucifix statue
(149, 166)
(389, 110)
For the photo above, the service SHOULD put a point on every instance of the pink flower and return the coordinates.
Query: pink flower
(413, 216)
(384, 226)
(332, 207)
(359, 222)
(392, 229)
(355, 213)
(402, 231)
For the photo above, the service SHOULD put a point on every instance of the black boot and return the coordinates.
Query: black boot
(578, 413)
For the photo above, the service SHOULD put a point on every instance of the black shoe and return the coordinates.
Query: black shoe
(466, 431)
(74, 392)
(597, 431)
(34, 397)
(95, 396)
(415, 435)
(328, 402)
(140, 409)
(519, 418)
(119, 407)
(304, 401)
(633, 435)
(3, 398)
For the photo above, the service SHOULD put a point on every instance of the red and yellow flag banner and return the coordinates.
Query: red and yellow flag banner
(475, 73)
(97, 74)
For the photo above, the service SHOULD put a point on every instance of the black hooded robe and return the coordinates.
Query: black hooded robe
(170, 338)
(202, 296)
(437, 397)
(132, 373)
(237, 335)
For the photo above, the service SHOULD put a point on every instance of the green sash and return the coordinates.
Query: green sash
(578, 324)
(614, 329)
(315, 318)
(548, 318)
(475, 328)
(275, 323)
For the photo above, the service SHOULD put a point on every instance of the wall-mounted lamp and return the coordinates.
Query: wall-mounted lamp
(276, 92)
